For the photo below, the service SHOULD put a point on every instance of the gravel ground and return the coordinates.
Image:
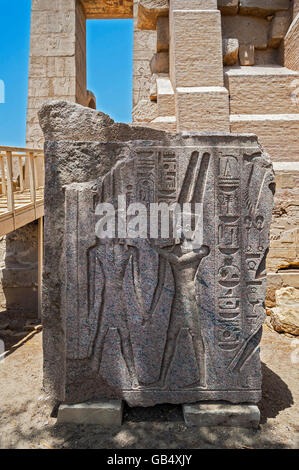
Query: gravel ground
(25, 421)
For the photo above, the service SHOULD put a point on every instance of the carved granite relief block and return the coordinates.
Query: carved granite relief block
(158, 319)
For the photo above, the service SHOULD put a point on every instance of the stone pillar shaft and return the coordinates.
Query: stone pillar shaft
(57, 66)
(196, 69)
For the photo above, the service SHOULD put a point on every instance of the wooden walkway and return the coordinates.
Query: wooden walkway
(22, 195)
(21, 187)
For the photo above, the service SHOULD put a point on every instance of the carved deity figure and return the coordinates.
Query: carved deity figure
(184, 329)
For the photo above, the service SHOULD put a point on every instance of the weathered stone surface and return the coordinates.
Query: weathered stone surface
(247, 29)
(57, 66)
(160, 62)
(202, 109)
(276, 281)
(91, 100)
(149, 11)
(249, 90)
(285, 316)
(291, 45)
(283, 257)
(267, 57)
(106, 413)
(196, 59)
(154, 89)
(162, 34)
(279, 28)
(62, 120)
(153, 320)
(230, 51)
(145, 111)
(165, 97)
(18, 275)
(228, 7)
(194, 5)
(246, 54)
(263, 7)
(102, 9)
(277, 133)
(222, 414)
(144, 47)
(166, 123)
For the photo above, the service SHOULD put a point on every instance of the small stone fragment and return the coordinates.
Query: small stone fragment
(160, 63)
(228, 7)
(246, 54)
(230, 51)
(285, 316)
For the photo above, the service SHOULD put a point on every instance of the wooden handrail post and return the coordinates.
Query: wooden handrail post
(10, 194)
(35, 161)
(3, 178)
(32, 177)
(21, 171)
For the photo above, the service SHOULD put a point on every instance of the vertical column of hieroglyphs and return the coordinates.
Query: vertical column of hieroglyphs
(144, 110)
(57, 67)
(196, 69)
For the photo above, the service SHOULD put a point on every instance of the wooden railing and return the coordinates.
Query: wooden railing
(21, 187)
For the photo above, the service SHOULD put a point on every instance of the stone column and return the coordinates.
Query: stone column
(145, 46)
(57, 67)
(196, 69)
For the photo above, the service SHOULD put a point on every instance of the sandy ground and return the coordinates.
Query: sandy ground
(25, 421)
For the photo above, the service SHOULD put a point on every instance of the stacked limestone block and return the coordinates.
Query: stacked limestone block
(187, 65)
(283, 260)
(57, 66)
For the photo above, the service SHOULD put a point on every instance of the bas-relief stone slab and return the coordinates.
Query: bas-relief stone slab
(154, 322)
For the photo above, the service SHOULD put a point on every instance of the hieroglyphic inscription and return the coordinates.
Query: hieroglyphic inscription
(229, 321)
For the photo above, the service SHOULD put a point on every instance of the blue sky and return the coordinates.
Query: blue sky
(109, 68)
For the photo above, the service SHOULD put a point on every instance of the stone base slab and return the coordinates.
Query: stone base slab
(202, 109)
(107, 413)
(222, 414)
(276, 132)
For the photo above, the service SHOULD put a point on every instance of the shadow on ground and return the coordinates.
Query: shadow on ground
(162, 427)
(276, 395)
(26, 421)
